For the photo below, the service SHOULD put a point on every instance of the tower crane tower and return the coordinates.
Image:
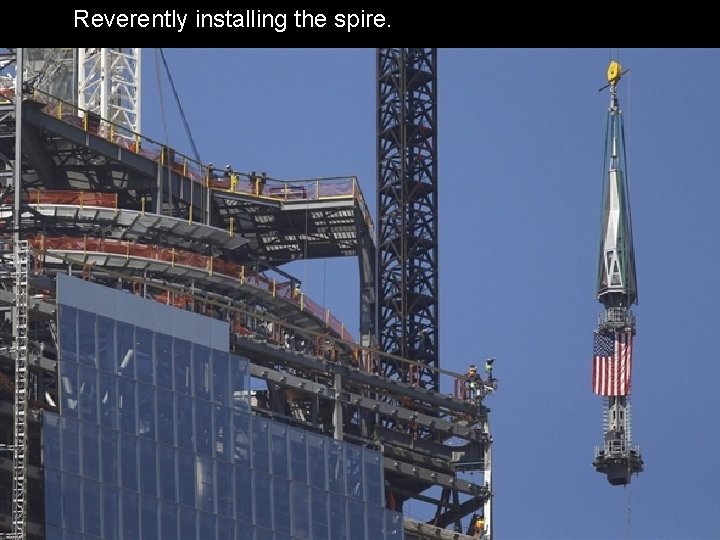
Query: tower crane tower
(407, 206)
(407, 251)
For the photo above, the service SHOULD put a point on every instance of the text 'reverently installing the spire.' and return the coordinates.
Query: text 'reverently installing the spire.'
(250, 19)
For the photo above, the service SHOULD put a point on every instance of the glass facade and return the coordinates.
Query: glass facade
(155, 438)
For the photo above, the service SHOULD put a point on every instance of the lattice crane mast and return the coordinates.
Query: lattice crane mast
(407, 206)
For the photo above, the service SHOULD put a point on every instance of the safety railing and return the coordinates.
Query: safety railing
(212, 265)
(616, 317)
(615, 448)
(73, 198)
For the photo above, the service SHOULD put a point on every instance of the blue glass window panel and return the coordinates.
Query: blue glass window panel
(125, 349)
(130, 514)
(336, 469)
(205, 483)
(282, 536)
(354, 475)
(298, 455)
(374, 478)
(239, 374)
(264, 534)
(92, 508)
(242, 437)
(72, 535)
(260, 444)
(107, 395)
(356, 519)
(281, 504)
(146, 410)
(206, 525)
(68, 334)
(149, 517)
(87, 353)
(51, 440)
(183, 414)
(168, 519)
(110, 514)
(224, 489)
(168, 475)
(88, 394)
(320, 514)
(394, 525)
(72, 518)
(70, 440)
(239, 383)
(53, 501)
(128, 461)
(244, 494)
(148, 467)
(164, 360)
(317, 454)
(90, 442)
(338, 518)
(201, 371)
(54, 533)
(181, 357)
(374, 518)
(68, 389)
(106, 344)
(222, 440)
(300, 509)
(144, 354)
(221, 377)
(188, 525)
(126, 405)
(110, 462)
(166, 416)
(203, 427)
(244, 531)
(278, 438)
(263, 499)
(186, 478)
(225, 529)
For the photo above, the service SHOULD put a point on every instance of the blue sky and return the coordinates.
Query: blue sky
(520, 158)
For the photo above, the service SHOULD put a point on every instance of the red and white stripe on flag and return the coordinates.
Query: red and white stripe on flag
(612, 363)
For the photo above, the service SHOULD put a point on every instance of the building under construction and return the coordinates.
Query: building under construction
(162, 375)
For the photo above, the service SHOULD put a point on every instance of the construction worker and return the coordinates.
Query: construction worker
(490, 382)
(295, 290)
(479, 527)
(473, 383)
(489, 367)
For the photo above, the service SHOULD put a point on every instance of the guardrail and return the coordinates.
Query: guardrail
(205, 175)
(175, 257)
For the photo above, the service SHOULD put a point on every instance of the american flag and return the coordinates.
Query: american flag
(612, 363)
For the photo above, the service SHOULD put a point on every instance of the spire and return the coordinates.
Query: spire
(616, 283)
(618, 458)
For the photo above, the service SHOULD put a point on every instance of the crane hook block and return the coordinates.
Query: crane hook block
(614, 72)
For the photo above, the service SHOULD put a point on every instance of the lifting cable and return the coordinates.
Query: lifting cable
(165, 128)
(196, 154)
(160, 93)
(186, 125)
(627, 513)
